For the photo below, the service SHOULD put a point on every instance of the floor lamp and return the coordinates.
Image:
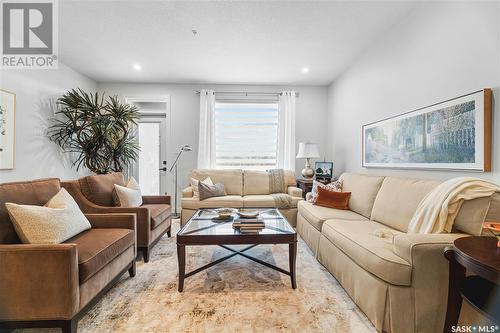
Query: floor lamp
(174, 165)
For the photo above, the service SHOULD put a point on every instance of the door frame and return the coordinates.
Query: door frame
(168, 125)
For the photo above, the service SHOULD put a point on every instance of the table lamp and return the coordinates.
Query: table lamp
(308, 150)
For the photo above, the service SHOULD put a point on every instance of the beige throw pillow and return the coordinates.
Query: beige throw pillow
(129, 195)
(57, 221)
(195, 185)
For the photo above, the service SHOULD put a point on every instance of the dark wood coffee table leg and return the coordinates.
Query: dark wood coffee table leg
(293, 258)
(181, 259)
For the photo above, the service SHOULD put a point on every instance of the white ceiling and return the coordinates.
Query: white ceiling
(256, 42)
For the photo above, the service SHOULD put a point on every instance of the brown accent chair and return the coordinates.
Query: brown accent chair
(94, 195)
(53, 285)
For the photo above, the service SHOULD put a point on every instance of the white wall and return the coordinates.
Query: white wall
(311, 114)
(439, 51)
(35, 155)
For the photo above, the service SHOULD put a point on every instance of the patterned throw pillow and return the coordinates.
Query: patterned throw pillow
(333, 186)
(129, 195)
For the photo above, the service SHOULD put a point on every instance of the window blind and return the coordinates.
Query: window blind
(246, 135)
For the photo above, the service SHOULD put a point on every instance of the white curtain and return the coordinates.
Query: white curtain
(286, 130)
(206, 143)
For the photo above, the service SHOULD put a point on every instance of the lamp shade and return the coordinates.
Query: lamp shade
(308, 150)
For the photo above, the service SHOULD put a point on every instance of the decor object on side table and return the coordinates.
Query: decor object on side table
(308, 150)
(454, 134)
(184, 148)
(305, 185)
(477, 255)
(98, 130)
(324, 170)
(7, 129)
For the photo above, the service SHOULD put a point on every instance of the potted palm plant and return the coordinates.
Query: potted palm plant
(98, 130)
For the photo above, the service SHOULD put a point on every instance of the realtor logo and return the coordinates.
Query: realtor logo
(29, 34)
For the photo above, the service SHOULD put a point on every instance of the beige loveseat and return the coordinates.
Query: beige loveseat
(244, 188)
(400, 284)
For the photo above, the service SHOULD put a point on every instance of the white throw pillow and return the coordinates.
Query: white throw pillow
(196, 188)
(128, 195)
(57, 221)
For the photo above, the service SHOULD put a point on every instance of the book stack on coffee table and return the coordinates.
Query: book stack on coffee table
(249, 226)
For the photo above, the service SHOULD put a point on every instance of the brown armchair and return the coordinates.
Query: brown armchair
(94, 194)
(53, 285)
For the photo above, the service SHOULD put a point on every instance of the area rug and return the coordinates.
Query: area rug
(237, 295)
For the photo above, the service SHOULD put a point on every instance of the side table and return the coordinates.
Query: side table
(305, 185)
(480, 256)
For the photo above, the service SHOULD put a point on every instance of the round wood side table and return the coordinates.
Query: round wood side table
(478, 255)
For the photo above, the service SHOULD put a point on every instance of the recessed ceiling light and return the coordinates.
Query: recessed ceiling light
(137, 67)
(305, 70)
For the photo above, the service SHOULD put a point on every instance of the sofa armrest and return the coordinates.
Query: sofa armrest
(156, 199)
(429, 274)
(118, 221)
(407, 246)
(38, 282)
(187, 192)
(294, 191)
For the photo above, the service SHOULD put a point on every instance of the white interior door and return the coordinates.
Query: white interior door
(150, 169)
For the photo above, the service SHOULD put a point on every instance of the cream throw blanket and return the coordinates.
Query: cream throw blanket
(437, 211)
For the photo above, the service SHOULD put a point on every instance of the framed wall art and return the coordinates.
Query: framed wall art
(323, 169)
(450, 135)
(7, 129)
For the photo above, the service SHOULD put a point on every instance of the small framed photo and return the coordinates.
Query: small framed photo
(324, 169)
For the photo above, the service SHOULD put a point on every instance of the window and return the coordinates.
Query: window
(246, 135)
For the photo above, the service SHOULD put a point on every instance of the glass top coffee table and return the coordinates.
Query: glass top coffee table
(203, 229)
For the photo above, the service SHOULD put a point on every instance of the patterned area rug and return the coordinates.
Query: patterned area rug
(237, 295)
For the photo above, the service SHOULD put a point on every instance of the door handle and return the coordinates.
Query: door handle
(163, 169)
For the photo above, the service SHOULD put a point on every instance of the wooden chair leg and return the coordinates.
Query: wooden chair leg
(169, 232)
(145, 254)
(70, 326)
(132, 269)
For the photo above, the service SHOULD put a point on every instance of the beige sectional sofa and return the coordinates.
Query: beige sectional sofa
(401, 284)
(244, 188)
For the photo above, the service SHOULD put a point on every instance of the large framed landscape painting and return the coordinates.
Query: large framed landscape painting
(7, 129)
(451, 135)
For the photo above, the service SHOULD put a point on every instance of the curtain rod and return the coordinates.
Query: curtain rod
(247, 93)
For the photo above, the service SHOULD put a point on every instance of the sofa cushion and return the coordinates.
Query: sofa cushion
(398, 199)
(36, 192)
(159, 213)
(363, 190)
(98, 247)
(230, 201)
(99, 188)
(265, 201)
(317, 215)
(231, 178)
(257, 182)
(374, 254)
